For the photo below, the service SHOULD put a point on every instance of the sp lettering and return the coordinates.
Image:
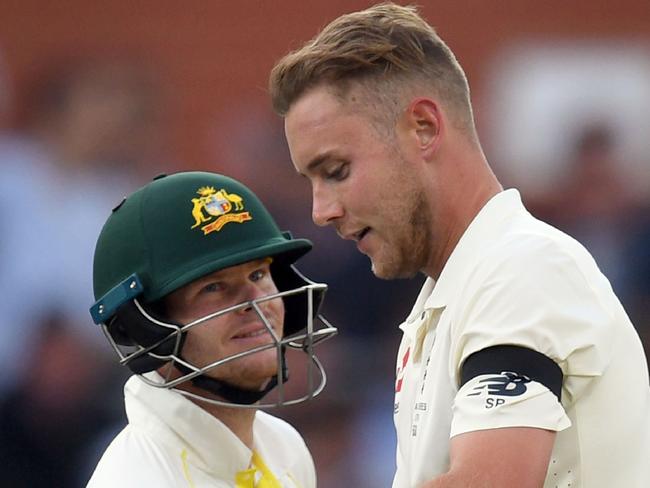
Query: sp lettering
(494, 402)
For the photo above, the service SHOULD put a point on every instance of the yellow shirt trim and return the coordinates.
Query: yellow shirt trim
(186, 468)
(258, 470)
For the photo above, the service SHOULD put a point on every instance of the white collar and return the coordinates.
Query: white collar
(211, 445)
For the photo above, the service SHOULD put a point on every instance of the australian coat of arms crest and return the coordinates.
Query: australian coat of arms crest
(217, 208)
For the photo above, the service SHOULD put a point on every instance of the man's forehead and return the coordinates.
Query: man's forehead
(314, 108)
(317, 126)
(236, 269)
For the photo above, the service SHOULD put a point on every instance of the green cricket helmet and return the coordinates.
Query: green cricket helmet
(173, 231)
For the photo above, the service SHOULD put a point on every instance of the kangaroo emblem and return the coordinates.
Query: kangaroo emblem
(197, 211)
(236, 199)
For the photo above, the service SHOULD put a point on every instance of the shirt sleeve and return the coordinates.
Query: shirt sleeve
(538, 299)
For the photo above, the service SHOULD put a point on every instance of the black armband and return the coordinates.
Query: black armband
(517, 359)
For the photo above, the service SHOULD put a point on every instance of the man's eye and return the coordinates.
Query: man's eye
(338, 173)
(212, 288)
(257, 275)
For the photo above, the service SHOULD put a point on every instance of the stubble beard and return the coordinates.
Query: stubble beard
(251, 371)
(408, 254)
(255, 372)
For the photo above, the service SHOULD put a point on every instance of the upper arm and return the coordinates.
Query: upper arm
(513, 457)
(506, 415)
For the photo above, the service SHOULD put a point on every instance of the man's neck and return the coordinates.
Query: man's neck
(475, 184)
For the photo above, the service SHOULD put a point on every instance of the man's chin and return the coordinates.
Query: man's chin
(392, 270)
(254, 385)
(250, 383)
(255, 378)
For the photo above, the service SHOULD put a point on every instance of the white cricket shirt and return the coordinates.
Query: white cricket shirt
(514, 280)
(171, 442)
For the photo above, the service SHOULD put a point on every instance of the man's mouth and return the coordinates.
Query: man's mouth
(248, 334)
(361, 234)
(252, 334)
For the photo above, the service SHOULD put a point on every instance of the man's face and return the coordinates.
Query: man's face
(361, 182)
(233, 332)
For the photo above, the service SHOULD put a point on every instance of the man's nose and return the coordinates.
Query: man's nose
(325, 207)
(253, 291)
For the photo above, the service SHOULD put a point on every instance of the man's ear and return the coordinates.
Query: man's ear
(424, 120)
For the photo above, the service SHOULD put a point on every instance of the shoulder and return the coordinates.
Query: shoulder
(511, 251)
(532, 255)
(282, 445)
(533, 265)
(271, 427)
(537, 287)
(133, 459)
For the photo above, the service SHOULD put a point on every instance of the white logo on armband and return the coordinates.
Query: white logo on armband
(506, 384)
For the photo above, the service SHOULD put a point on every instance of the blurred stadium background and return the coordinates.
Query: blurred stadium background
(98, 97)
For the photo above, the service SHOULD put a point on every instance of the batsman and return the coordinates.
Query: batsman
(205, 316)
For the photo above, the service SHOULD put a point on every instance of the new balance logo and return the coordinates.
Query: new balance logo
(506, 384)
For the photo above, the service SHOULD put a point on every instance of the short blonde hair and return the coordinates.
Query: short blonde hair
(388, 50)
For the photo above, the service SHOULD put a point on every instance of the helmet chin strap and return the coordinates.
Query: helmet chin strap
(232, 393)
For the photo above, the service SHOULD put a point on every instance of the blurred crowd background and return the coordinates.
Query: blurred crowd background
(96, 98)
